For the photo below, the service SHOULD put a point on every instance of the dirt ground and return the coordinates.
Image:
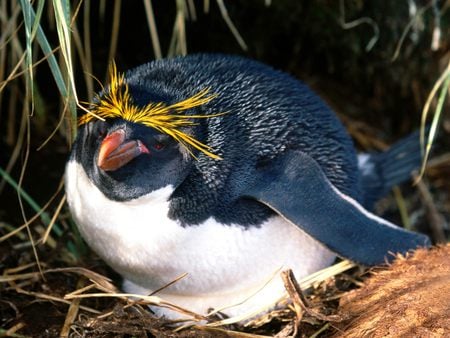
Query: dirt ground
(378, 97)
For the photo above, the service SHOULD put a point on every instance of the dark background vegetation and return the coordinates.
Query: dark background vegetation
(379, 98)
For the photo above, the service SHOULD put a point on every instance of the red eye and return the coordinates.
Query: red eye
(100, 129)
(158, 146)
(101, 133)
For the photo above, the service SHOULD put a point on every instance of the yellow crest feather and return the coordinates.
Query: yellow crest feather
(168, 119)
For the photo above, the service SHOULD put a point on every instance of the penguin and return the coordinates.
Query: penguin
(226, 171)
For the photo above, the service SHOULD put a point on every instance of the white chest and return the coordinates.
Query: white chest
(224, 263)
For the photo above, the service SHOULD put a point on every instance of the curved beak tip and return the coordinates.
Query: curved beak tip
(115, 151)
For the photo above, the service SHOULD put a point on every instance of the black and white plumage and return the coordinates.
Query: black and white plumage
(286, 191)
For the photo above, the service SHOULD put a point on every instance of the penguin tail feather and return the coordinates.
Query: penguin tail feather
(382, 171)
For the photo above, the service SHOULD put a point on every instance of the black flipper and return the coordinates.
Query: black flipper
(296, 188)
(381, 171)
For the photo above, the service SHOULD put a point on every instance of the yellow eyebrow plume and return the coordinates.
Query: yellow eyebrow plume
(118, 103)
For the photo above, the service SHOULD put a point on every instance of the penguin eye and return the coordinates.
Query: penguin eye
(159, 146)
(100, 129)
(160, 142)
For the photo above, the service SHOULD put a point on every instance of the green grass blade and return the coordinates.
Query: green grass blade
(28, 20)
(53, 64)
(62, 17)
(443, 83)
(37, 19)
(45, 46)
(30, 201)
(435, 122)
(62, 10)
(63, 27)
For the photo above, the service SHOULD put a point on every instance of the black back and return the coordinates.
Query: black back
(267, 113)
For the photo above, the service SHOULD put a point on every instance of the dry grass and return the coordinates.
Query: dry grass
(90, 287)
(42, 292)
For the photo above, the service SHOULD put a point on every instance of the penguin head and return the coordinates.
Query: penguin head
(126, 160)
(135, 141)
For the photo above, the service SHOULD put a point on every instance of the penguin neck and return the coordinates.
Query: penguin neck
(127, 185)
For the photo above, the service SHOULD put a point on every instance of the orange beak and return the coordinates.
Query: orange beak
(115, 152)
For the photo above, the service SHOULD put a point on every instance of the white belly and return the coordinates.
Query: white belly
(225, 264)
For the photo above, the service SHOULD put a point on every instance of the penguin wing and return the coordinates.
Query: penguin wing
(295, 187)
